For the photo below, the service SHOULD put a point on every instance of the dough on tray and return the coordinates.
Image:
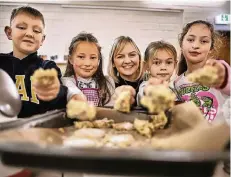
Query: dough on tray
(90, 133)
(123, 126)
(103, 123)
(80, 142)
(144, 127)
(159, 120)
(205, 76)
(122, 103)
(158, 98)
(45, 77)
(119, 140)
(80, 110)
(83, 124)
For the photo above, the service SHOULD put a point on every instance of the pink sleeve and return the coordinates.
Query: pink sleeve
(226, 89)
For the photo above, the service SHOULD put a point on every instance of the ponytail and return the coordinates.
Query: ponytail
(182, 65)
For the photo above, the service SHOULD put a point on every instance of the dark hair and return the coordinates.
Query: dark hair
(182, 65)
(28, 10)
(101, 80)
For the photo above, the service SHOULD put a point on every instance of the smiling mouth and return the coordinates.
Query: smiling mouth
(128, 66)
(164, 74)
(194, 53)
(87, 70)
(28, 41)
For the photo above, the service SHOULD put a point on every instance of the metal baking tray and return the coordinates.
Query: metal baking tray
(137, 162)
(35, 121)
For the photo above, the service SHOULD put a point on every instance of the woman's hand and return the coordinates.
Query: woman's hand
(122, 88)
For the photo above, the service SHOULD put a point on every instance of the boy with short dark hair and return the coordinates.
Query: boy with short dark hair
(26, 31)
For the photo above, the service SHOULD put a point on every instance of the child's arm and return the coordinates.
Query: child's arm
(73, 91)
(54, 95)
(225, 87)
(140, 92)
(223, 69)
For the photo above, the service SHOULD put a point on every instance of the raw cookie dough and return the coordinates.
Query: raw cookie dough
(90, 133)
(119, 140)
(45, 77)
(80, 110)
(123, 126)
(122, 103)
(83, 124)
(207, 76)
(103, 123)
(158, 98)
(159, 121)
(80, 142)
(144, 127)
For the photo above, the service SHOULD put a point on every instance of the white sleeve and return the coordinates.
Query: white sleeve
(140, 92)
(226, 110)
(70, 83)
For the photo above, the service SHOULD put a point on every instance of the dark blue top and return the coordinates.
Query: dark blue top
(21, 71)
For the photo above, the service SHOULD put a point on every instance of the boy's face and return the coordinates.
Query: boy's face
(26, 33)
(162, 65)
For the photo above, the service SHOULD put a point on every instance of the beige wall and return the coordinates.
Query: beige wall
(143, 26)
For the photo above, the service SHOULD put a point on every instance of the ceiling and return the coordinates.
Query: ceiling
(137, 3)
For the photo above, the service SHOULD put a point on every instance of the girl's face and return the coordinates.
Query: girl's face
(85, 59)
(127, 62)
(196, 44)
(162, 65)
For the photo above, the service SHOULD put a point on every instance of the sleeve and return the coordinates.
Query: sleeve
(140, 92)
(69, 82)
(61, 100)
(6, 64)
(225, 88)
(173, 88)
(111, 86)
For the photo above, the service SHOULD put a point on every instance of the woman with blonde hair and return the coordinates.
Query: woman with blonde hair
(125, 65)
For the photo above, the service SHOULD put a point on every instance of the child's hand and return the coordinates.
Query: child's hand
(220, 71)
(47, 92)
(122, 88)
(154, 81)
(79, 97)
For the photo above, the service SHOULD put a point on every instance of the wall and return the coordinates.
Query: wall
(143, 26)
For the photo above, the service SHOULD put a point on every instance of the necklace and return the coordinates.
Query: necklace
(131, 84)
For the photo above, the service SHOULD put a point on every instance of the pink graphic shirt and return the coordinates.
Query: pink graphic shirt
(209, 100)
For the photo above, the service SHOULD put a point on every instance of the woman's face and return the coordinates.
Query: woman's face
(85, 59)
(127, 62)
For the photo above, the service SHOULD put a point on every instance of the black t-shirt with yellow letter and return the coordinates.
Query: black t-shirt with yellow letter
(21, 71)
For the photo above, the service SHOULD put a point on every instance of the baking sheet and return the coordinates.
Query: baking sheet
(42, 148)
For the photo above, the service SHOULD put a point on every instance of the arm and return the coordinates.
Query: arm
(225, 88)
(7, 62)
(141, 92)
(70, 83)
(61, 99)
